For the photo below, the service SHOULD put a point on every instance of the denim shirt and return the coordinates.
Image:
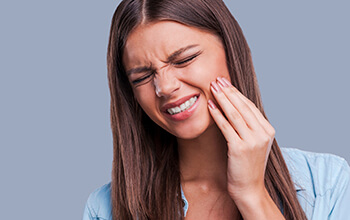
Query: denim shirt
(322, 183)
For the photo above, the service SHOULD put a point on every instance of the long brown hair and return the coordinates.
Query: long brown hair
(145, 173)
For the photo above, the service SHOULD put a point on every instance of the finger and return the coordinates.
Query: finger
(227, 130)
(246, 112)
(260, 117)
(234, 117)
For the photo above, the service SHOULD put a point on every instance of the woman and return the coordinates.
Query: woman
(191, 138)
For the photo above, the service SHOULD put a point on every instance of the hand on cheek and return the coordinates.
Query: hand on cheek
(249, 138)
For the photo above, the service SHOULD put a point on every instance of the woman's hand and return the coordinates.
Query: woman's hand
(249, 138)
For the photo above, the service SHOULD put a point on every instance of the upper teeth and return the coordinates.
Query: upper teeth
(184, 106)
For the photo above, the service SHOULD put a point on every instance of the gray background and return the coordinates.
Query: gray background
(55, 136)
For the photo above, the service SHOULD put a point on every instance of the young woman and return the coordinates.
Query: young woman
(191, 138)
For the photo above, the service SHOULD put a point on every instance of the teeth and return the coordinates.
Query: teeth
(184, 106)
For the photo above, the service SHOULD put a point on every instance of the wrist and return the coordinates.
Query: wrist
(257, 204)
(249, 196)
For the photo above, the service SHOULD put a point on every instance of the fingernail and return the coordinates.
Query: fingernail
(221, 82)
(226, 81)
(211, 104)
(215, 86)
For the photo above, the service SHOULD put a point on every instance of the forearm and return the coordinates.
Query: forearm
(258, 206)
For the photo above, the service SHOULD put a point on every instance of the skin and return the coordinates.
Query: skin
(152, 44)
(223, 151)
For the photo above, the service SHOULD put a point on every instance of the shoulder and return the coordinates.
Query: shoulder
(321, 179)
(98, 205)
(323, 168)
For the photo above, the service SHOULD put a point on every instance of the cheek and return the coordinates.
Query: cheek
(218, 65)
(206, 70)
(147, 102)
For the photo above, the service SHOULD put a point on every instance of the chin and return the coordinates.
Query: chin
(188, 135)
(190, 130)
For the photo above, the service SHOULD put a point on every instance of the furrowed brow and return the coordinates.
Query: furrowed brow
(170, 59)
(138, 70)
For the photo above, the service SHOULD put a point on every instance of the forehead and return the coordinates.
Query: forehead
(161, 38)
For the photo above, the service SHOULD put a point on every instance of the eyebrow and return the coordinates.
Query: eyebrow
(170, 58)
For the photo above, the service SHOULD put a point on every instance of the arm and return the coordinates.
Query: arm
(340, 199)
(87, 212)
(258, 206)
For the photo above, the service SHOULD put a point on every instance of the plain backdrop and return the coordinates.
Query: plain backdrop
(55, 136)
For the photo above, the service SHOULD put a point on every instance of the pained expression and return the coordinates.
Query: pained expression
(168, 62)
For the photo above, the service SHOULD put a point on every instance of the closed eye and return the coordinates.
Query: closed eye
(142, 79)
(186, 60)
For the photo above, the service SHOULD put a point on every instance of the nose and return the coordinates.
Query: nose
(166, 83)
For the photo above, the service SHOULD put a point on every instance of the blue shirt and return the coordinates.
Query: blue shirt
(322, 183)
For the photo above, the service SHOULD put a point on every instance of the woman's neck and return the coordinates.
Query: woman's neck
(204, 159)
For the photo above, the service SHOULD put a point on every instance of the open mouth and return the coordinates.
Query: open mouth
(182, 107)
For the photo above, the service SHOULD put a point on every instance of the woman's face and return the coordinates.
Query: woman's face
(170, 67)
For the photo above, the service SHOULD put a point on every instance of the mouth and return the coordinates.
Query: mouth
(182, 107)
